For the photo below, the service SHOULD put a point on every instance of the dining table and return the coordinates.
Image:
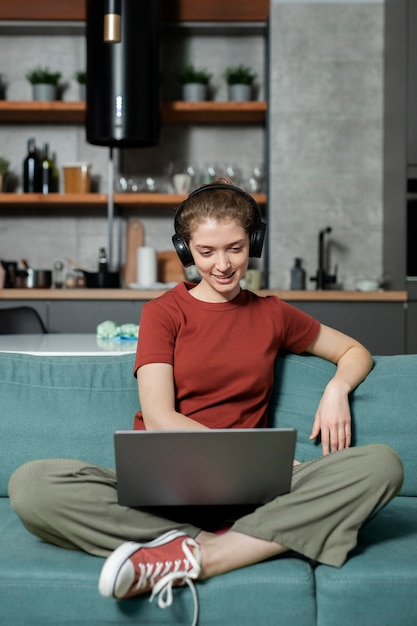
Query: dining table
(66, 344)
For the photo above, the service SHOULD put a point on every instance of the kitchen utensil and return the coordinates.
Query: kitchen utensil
(170, 268)
(38, 279)
(367, 284)
(102, 280)
(75, 264)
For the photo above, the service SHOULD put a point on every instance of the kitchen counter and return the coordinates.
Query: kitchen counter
(134, 294)
(383, 320)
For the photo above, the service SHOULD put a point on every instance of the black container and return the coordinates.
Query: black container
(298, 276)
(102, 280)
(123, 79)
(10, 268)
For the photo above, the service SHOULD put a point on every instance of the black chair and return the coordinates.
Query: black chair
(21, 320)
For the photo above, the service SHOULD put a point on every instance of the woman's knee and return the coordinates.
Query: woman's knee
(26, 485)
(387, 467)
(35, 486)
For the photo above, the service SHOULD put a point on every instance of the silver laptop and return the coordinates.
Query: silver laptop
(203, 467)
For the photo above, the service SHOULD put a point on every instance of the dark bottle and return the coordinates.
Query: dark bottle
(47, 171)
(32, 169)
(102, 261)
(55, 174)
(298, 276)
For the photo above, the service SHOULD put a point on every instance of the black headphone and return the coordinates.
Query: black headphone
(256, 238)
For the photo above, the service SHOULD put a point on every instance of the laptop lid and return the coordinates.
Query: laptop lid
(203, 467)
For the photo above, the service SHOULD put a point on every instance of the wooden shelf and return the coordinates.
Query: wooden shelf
(30, 112)
(214, 112)
(34, 201)
(171, 10)
(58, 112)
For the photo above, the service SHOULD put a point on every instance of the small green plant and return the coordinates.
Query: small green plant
(43, 76)
(80, 76)
(239, 75)
(191, 74)
(4, 166)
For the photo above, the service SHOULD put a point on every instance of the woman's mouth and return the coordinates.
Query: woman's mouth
(224, 278)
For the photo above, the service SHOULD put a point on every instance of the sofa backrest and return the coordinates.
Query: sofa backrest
(59, 406)
(63, 406)
(383, 407)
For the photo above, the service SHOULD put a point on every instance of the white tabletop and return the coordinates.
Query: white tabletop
(62, 344)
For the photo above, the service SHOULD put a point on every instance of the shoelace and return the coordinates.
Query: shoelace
(163, 588)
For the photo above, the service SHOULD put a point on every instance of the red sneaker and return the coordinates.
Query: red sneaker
(134, 568)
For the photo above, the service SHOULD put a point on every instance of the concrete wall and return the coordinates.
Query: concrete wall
(326, 136)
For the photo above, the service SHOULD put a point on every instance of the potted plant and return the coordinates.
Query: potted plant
(4, 168)
(239, 79)
(44, 82)
(194, 83)
(81, 77)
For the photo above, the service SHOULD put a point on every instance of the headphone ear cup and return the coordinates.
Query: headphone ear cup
(257, 240)
(183, 251)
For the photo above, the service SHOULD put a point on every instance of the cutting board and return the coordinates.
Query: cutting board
(135, 237)
(170, 269)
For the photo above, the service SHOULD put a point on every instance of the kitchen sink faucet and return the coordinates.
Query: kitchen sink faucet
(322, 278)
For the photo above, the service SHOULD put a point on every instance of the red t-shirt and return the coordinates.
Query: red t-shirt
(223, 354)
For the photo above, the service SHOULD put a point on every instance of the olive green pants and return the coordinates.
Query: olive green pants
(74, 505)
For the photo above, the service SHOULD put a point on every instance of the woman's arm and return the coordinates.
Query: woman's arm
(354, 362)
(157, 399)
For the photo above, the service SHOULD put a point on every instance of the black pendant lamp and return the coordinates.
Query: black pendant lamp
(123, 73)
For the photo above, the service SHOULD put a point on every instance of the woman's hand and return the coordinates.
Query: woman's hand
(332, 419)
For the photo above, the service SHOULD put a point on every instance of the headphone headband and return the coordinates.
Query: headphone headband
(256, 238)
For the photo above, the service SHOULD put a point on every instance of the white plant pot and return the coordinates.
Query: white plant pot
(44, 92)
(81, 91)
(194, 92)
(240, 93)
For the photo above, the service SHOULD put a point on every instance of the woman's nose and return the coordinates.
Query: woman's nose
(222, 261)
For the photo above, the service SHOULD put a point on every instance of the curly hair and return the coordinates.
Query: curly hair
(218, 204)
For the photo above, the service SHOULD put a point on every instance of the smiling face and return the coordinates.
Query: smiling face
(220, 248)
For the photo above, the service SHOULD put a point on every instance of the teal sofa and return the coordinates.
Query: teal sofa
(70, 407)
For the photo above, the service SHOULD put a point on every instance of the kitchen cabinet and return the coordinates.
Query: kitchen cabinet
(412, 328)
(80, 316)
(75, 316)
(383, 321)
(380, 326)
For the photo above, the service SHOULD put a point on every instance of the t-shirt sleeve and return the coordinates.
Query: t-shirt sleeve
(156, 340)
(299, 328)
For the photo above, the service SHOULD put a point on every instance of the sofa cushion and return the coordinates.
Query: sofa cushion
(378, 582)
(63, 406)
(384, 405)
(47, 577)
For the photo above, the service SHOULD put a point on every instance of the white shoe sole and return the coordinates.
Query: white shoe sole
(113, 581)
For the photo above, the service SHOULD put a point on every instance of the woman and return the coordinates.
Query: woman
(205, 359)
